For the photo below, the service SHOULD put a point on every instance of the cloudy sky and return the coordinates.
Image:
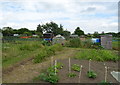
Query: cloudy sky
(89, 15)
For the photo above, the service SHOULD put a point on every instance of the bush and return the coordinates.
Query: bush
(45, 43)
(47, 51)
(76, 42)
(40, 56)
(87, 44)
(99, 55)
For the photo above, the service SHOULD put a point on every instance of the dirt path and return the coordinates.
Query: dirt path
(25, 73)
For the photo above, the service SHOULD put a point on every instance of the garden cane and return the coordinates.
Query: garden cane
(55, 66)
(105, 73)
(80, 74)
(89, 64)
(69, 66)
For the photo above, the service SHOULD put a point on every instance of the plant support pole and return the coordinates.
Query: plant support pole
(89, 64)
(80, 74)
(105, 73)
(69, 66)
(55, 66)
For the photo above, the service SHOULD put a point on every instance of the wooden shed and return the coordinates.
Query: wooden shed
(106, 41)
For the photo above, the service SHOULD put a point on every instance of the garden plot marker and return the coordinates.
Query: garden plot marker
(55, 67)
(105, 73)
(89, 64)
(80, 74)
(69, 66)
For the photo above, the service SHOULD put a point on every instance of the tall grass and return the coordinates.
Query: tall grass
(116, 45)
(46, 52)
(99, 55)
(13, 53)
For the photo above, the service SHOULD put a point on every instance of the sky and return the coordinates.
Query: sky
(89, 15)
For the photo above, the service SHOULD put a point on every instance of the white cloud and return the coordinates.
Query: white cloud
(90, 17)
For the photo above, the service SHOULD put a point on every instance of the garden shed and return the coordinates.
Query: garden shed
(106, 41)
(74, 36)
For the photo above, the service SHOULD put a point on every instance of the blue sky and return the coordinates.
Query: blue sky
(89, 15)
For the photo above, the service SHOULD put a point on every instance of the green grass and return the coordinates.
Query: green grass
(99, 55)
(15, 52)
(116, 45)
(46, 52)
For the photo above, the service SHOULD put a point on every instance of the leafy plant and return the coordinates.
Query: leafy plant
(49, 77)
(104, 83)
(71, 74)
(38, 58)
(91, 74)
(99, 55)
(52, 69)
(46, 43)
(75, 42)
(59, 65)
(75, 67)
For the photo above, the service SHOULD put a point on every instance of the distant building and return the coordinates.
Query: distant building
(15, 35)
(74, 36)
(106, 41)
(34, 35)
(48, 36)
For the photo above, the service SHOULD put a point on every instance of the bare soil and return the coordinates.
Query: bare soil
(96, 66)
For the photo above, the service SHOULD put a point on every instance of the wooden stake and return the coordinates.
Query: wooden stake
(105, 73)
(89, 64)
(80, 74)
(55, 66)
(69, 66)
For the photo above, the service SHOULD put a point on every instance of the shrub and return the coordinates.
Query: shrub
(40, 56)
(76, 67)
(87, 43)
(99, 55)
(45, 43)
(75, 42)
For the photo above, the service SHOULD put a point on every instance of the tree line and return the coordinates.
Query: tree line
(50, 27)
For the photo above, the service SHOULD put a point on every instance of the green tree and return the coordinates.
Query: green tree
(66, 33)
(78, 31)
(96, 34)
(40, 29)
(7, 31)
(23, 30)
(52, 27)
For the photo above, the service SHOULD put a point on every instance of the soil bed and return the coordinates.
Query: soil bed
(96, 66)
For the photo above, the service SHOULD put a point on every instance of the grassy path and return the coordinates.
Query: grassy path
(25, 73)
